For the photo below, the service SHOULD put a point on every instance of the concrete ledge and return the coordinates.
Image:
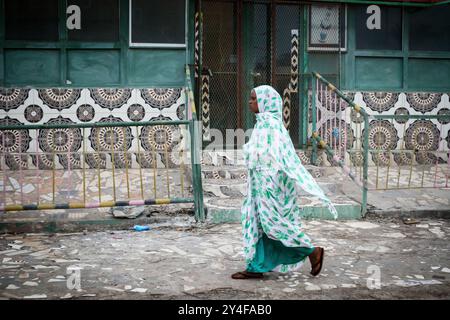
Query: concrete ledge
(431, 213)
(216, 214)
(61, 226)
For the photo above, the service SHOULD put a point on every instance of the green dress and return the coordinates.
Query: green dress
(272, 230)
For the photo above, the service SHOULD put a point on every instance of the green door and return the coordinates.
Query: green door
(246, 44)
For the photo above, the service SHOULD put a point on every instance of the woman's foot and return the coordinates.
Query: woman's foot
(247, 275)
(316, 259)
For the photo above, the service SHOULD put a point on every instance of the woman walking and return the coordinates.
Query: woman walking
(272, 231)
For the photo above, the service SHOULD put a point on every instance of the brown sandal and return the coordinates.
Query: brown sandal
(317, 267)
(247, 275)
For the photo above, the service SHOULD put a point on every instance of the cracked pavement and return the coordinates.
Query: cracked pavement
(365, 259)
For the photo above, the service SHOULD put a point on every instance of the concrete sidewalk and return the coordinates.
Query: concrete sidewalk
(369, 259)
(223, 199)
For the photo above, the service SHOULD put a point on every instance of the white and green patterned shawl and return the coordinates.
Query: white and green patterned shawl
(274, 170)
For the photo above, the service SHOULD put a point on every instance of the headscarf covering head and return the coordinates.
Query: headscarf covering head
(269, 101)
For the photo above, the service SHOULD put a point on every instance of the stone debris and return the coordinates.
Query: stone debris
(328, 286)
(361, 225)
(38, 267)
(396, 235)
(7, 251)
(12, 287)
(410, 221)
(312, 287)
(412, 283)
(18, 252)
(139, 290)
(30, 283)
(15, 246)
(114, 289)
(438, 232)
(188, 288)
(127, 212)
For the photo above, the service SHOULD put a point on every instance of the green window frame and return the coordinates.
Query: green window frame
(401, 67)
(182, 45)
(84, 64)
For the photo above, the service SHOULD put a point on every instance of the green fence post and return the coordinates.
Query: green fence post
(196, 172)
(313, 119)
(195, 151)
(366, 163)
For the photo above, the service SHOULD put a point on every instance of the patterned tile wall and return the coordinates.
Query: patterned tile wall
(55, 105)
(414, 134)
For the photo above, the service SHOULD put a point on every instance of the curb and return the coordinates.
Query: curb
(69, 226)
(432, 213)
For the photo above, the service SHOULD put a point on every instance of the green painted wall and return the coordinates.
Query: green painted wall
(424, 72)
(327, 64)
(163, 67)
(31, 67)
(378, 73)
(90, 67)
(94, 64)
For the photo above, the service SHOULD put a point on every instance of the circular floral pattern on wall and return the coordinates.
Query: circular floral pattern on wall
(401, 111)
(62, 142)
(448, 139)
(444, 111)
(338, 135)
(380, 101)
(118, 139)
(96, 160)
(161, 98)
(356, 117)
(357, 158)
(332, 102)
(403, 158)
(85, 113)
(13, 143)
(161, 139)
(59, 99)
(423, 136)
(423, 101)
(180, 112)
(110, 98)
(136, 112)
(382, 138)
(12, 98)
(33, 113)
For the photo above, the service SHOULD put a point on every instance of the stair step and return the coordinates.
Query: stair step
(220, 210)
(240, 172)
(223, 188)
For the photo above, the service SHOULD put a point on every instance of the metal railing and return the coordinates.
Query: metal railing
(103, 164)
(415, 158)
(407, 154)
(333, 134)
